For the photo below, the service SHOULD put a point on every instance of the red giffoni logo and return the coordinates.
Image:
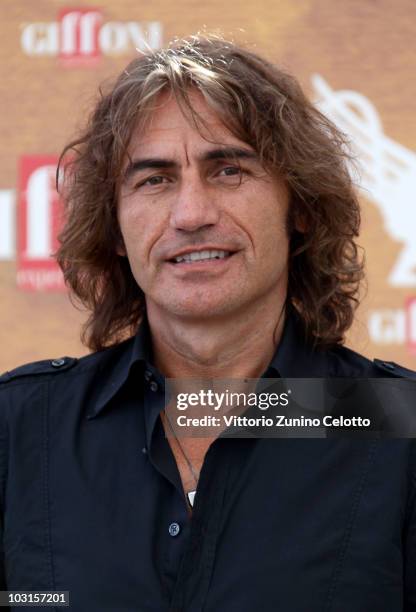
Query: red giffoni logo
(78, 33)
(39, 218)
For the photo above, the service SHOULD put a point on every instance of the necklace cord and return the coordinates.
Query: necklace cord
(188, 462)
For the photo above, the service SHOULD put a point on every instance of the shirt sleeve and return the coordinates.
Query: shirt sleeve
(410, 543)
(3, 474)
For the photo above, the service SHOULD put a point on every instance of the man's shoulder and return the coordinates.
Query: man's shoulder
(346, 362)
(36, 369)
(61, 367)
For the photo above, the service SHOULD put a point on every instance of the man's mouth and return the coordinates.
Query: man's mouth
(195, 256)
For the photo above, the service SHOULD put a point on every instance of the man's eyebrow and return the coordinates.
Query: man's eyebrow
(143, 164)
(229, 153)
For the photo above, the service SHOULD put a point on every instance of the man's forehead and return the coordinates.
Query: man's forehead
(170, 126)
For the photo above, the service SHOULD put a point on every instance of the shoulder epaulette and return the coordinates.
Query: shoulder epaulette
(38, 368)
(390, 368)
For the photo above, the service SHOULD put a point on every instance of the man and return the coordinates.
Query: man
(211, 222)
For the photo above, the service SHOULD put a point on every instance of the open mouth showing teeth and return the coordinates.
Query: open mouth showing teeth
(201, 256)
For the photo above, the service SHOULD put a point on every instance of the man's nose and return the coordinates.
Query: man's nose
(194, 207)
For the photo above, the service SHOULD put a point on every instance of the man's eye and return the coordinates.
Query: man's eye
(230, 176)
(153, 180)
(231, 171)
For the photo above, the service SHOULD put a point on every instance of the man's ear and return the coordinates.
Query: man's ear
(120, 246)
(297, 218)
(301, 224)
(297, 221)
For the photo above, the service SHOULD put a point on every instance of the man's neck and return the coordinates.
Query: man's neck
(241, 347)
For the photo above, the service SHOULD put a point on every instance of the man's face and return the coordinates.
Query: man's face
(203, 224)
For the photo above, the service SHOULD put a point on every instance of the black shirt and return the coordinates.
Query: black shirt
(92, 500)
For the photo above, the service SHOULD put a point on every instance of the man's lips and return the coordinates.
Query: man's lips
(207, 254)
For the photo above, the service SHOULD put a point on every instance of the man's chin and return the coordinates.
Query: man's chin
(196, 309)
(201, 311)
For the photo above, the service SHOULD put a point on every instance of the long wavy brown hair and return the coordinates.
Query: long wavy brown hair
(264, 107)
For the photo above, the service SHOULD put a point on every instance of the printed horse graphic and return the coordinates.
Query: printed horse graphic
(386, 173)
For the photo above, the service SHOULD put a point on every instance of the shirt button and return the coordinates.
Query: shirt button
(147, 375)
(153, 386)
(174, 529)
(57, 363)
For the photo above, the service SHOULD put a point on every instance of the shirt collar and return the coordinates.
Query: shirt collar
(294, 358)
(133, 352)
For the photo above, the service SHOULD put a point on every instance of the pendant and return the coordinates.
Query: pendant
(191, 497)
